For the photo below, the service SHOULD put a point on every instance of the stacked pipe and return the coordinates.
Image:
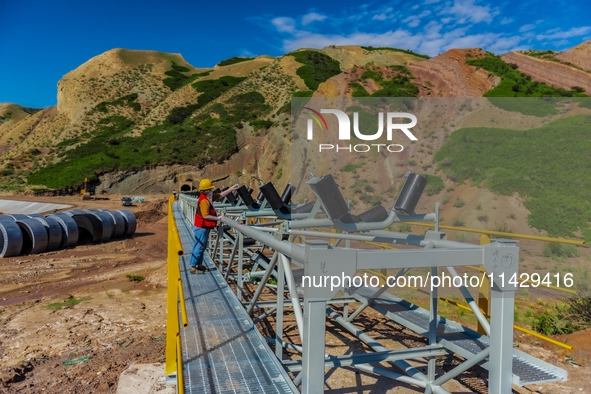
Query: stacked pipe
(35, 233)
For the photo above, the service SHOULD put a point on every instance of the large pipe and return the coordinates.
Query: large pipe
(118, 223)
(106, 224)
(54, 232)
(69, 229)
(34, 236)
(130, 222)
(11, 238)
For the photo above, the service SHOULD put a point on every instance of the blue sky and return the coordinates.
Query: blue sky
(40, 41)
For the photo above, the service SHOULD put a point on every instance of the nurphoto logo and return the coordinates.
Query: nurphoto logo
(344, 130)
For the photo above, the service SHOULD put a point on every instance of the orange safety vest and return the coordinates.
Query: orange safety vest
(199, 220)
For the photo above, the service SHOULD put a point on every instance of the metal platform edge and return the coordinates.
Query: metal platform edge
(283, 377)
(559, 373)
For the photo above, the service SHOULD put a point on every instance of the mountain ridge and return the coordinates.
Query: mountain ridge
(146, 87)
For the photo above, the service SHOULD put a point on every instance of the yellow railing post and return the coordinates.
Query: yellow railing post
(174, 289)
(484, 290)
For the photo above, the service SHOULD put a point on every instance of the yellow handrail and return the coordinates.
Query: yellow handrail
(174, 293)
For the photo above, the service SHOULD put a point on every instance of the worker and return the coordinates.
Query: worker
(206, 218)
(174, 194)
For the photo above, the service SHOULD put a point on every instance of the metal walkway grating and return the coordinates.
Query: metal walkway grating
(222, 350)
(461, 340)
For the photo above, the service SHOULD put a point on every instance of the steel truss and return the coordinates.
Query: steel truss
(240, 243)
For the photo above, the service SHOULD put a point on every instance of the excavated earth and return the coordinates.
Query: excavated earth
(84, 347)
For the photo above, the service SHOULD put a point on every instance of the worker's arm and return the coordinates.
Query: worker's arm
(204, 209)
(229, 190)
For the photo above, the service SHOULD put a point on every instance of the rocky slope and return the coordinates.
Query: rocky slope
(550, 72)
(580, 56)
(448, 75)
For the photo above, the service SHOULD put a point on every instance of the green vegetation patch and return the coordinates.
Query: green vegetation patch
(317, 67)
(234, 60)
(214, 88)
(399, 85)
(434, 184)
(515, 84)
(370, 48)
(287, 107)
(358, 90)
(352, 167)
(210, 90)
(543, 165)
(177, 79)
(112, 149)
(135, 278)
(125, 101)
(69, 302)
(6, 116)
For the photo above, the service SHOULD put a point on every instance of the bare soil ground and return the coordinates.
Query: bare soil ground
(107, 322)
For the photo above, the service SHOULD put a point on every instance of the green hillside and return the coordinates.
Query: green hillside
(549, 166)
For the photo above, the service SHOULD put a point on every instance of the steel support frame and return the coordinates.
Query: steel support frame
(437, 253)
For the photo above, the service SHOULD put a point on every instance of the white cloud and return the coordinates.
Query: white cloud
(431, 1)
(312, 17)
(506, 21)
(396, 39)
(466, 11)
(528, 27)
(284, 24)
(414, 7)
(380, 17)
(446, 20)
(555, 34)
(415, 20)
(414, 23)
(246, 53)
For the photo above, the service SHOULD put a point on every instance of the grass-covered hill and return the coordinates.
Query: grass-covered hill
(130, 110)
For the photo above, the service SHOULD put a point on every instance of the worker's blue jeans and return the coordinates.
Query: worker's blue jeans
(201, 236)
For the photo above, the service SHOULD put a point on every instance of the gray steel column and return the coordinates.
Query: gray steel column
(501, 342)
(280, 309)
(313, 346)
(240, 239)
(501, 259)
(433, 319)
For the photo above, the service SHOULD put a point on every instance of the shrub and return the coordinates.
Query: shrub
(370, 48)
(459, 203)
(135, 278)
(554, 250)
(459, 223)
(234, 60)
(317, 67)
(351, 167)
(434, 184)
